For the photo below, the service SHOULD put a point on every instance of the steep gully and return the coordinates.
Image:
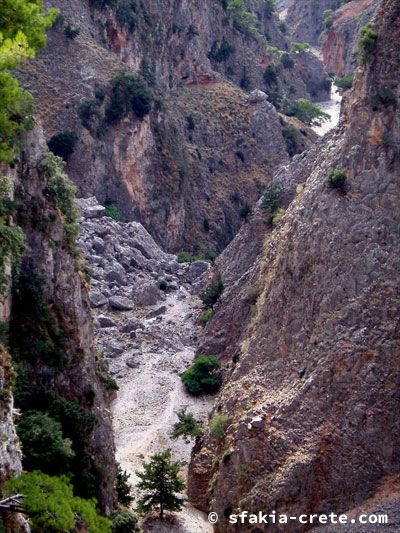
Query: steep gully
(147, 344)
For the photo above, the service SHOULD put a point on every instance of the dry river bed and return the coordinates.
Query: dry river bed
(150, 393)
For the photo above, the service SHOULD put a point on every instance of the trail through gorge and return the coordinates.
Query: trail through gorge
(147, 337)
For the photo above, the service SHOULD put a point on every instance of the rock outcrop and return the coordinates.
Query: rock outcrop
(50, 328)
(185, 169)
(312, 391)
(340, 41)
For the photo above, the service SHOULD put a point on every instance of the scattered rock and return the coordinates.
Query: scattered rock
(130, 325)
(105, 321)
(157, 312)
(120, 303)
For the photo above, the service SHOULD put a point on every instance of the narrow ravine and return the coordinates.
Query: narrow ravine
(147, 337)
(332, 107)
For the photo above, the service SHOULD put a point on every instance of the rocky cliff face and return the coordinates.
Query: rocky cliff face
(311, 395)
(305, 18)
(177, 169)
(50, 330)
(339, 42)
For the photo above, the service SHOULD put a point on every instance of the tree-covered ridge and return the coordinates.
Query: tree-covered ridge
(22, 34)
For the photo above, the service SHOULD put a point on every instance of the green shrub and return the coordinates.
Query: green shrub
(222, 52)
(126, 13)
(203, 376)
(63, 144)
(287, 61)
(112, 210)
(327, 18)
(367, 43)
(124, 522)
(89, 112)
(245, 80)
(12, 246)
(283, 26)
(43, 445)
(344, 83)
(337, 179)
(212, 293)
(109, 382)
(270, 76)
(217, 426)
(35, 331)
(206, 315)
(300, 47)
(185, 257)
(190, 122)
(292, 137)
(63, 192)
(307, 112)
(71, 32)
(271, 199)
(129, 95)
(53, 508)
(162, 284)
(77, 425)
(278, 216)
(123, 487)
(243, 20)
(383, 98)
(186, 426)
(245, 211)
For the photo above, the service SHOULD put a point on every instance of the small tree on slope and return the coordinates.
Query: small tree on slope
(160, 485)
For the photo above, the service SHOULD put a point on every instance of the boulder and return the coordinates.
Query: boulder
(148, 294)
(157, 312)
(97, 299)
(90, 207)
(197, 269)
(130, 325)
(120, 303)
(105, 321)
(256, 97)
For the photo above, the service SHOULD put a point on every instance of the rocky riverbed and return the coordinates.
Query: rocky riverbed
(146, 308)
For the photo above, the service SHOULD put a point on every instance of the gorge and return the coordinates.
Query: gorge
(180, 193)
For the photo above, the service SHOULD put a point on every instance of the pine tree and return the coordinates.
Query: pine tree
(160, 484)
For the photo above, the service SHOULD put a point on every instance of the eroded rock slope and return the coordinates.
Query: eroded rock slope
(312, 393)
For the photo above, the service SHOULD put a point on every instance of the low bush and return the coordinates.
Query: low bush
(270, 76)
(186, 426)
(162, 284)
(337, 180)
(185, 257)
(89, 113)
(43, 444)
(203, 376)
(344, 83)
(112, 210)
(124, 522)
(212, 293)
(217, 426)
(245, 211)
(71, 32)
(271, 199)
(367, 43)
(63, 144)
(221, 52)
(129, 95)
(206, 315)
(300, 47)
(109, 382)
(287, 61)
(278, 216)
